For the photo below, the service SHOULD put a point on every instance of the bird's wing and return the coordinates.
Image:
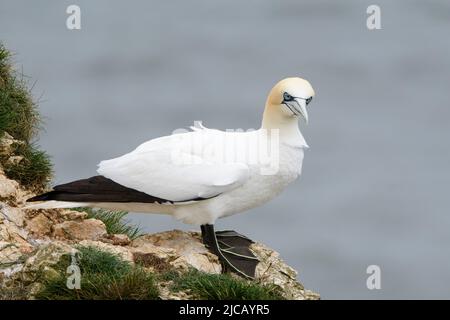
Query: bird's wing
(176, 168)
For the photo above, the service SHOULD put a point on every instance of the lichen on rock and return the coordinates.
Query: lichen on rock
(89, 229)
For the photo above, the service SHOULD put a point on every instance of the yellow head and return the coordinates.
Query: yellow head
(287, 101)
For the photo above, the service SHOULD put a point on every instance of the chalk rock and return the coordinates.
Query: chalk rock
(8, 187)
(73, 215)
(11, 192)
(14, 160)
(9, 254)
(9, 232)
(41, 263)
(7, 143)
(272, 270)
(13, 214)
(39, 225)
(90, 229)
(117, 239)
(182, 250)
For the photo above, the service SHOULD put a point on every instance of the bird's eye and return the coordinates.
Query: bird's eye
(308, 100)
(287, 97)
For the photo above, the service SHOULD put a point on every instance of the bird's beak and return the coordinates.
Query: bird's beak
(298, 108)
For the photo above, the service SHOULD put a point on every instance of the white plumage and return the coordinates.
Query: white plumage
(180, 168)
(206, 174)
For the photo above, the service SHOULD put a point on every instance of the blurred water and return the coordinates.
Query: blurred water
(375, 183)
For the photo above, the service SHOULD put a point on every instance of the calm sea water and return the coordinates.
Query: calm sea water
(376, 178)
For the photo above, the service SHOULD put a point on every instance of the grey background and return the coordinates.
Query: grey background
(375, 183)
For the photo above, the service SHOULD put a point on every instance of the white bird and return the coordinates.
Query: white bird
(204, 174)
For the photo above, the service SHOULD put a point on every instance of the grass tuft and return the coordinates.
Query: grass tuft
(221, 287)
(33, 170)
(18, 112)
(114, 221)
(95, 261)
(14, 290)
(20, 118)
(104, 276)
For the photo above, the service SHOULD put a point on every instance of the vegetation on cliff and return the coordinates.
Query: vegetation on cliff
(114, 221)
(19, 117)
(104, 276)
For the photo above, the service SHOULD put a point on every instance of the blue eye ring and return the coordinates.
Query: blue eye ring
(287, 97)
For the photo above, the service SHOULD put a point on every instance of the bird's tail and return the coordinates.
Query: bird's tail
(87, 193)
(53, 204)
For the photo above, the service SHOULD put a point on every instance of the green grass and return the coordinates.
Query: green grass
(34, 170)
(20, 118)
(95, 261)
(114, 221)
(221, 287)
(104, 276)
(15, 290)
(18, 113)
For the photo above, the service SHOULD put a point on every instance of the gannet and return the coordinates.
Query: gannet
(204, 174)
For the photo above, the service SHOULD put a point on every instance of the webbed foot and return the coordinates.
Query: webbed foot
(232, 249)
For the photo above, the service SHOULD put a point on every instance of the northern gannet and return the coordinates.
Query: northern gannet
(204, 174)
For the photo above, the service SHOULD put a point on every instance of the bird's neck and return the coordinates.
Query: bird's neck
(288, 130)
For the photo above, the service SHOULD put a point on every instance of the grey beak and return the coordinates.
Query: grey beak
(298, 108)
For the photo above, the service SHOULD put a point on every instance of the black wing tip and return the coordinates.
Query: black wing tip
(96, 189)
(100, 189)
(41, 197)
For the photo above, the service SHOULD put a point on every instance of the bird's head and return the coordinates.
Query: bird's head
(288, 100)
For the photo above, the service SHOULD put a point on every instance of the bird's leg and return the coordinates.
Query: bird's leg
(232, 249)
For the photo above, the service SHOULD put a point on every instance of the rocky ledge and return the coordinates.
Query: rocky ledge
(32, 242)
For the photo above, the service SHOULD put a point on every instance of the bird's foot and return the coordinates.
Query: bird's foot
(232, 249)
(230, 234)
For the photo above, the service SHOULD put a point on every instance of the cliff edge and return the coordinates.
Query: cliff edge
(39, 246)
